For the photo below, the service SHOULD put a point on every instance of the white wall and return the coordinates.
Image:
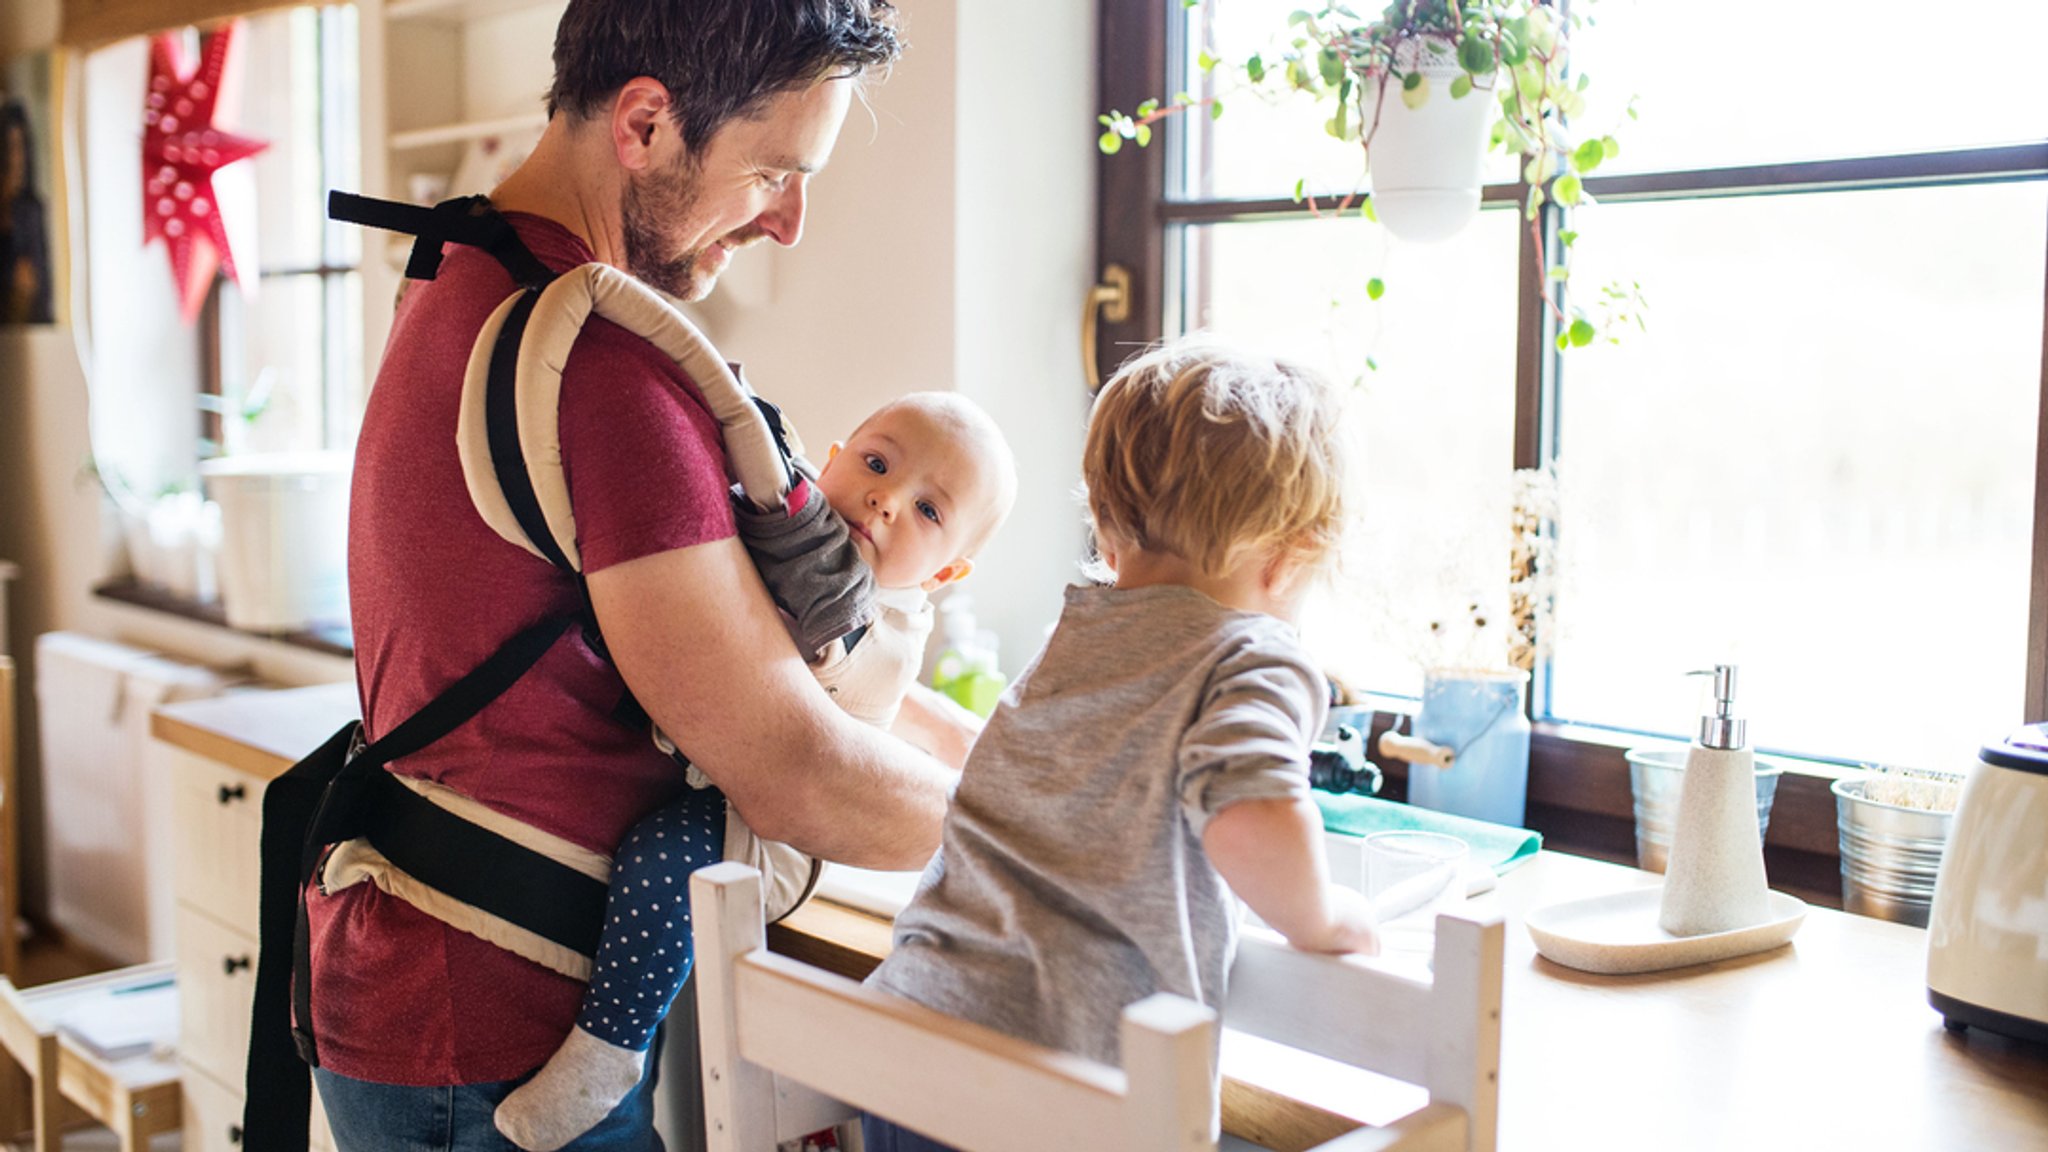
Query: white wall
(1024, 259)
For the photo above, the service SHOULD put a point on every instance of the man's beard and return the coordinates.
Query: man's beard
(647, 204)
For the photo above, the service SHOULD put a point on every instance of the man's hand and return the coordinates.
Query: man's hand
(700, 644)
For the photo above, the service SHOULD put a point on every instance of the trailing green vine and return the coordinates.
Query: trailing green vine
(1515, 52)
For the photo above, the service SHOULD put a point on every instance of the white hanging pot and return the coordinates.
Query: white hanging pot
(1427, 162)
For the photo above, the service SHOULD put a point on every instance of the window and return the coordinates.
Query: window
(274, 366)
(277, 368)
(1820, 462)
(283, 368)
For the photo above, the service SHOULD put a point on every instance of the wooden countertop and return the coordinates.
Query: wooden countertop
(262, 733)
(1825, 1044)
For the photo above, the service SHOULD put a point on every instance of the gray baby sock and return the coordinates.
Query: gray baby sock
(579, 1085)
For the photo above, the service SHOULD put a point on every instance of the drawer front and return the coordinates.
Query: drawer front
(216, 987)
(218, 818)
(213, 1114)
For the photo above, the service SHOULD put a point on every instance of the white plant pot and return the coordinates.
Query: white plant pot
(1428, 162)
(283, 538)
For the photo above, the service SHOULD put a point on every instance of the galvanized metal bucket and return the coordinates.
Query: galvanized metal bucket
(1890, 855)
(1657, 775)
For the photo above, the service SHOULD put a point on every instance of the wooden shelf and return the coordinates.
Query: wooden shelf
(333, 639)
(465, 131)
(456, 11)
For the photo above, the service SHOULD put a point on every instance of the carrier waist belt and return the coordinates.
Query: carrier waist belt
(471, 864)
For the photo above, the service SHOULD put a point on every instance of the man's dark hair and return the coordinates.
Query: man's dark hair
(719, 59)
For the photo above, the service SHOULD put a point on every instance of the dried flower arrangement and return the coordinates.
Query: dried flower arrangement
(1459, 620)
(1532, 566)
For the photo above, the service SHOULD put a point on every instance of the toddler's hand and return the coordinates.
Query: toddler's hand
(1352, 927)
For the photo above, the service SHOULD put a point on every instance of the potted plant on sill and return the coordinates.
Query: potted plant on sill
(1426, 88)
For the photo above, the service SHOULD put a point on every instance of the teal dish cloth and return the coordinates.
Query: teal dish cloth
(1495, 845)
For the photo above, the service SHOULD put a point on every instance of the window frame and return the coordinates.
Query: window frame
(333, 270)
(1578, 781)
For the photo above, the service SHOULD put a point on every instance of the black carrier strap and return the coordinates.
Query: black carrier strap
(332, 796)
(481, 868)
(473, 221)
(470, 220)
(501, 426)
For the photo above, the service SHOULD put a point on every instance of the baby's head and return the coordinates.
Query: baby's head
(1217, 455)
(922, 483)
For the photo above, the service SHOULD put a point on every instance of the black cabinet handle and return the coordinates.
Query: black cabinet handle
(229, 793)
(234, 1133)
(233, 964)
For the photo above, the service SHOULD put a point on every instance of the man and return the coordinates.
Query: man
(680, 132)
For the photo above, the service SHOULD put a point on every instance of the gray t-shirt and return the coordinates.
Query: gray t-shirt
(1072, 882)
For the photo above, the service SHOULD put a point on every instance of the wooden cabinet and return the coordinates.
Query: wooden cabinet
(219, 813)
(221, 753)
(213, 1115)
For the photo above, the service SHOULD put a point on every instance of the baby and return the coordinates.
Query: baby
(921, 486)
(1154, 759)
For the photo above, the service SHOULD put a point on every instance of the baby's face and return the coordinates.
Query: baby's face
(913, 492)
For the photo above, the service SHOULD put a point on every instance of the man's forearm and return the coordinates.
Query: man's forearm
(861, 797)
(700, 644)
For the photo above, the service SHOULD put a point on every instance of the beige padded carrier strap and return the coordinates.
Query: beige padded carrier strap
(557, 320)
(552, 328)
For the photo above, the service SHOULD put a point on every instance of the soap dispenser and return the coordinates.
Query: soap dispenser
(966, 670)
(1714, 881)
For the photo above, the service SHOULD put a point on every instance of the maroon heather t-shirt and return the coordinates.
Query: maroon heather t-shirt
(398, 998)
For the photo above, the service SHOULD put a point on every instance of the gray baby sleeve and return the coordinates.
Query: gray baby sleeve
(807, 559)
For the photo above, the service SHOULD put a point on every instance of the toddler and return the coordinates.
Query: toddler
(1154, 758)
(921, 485)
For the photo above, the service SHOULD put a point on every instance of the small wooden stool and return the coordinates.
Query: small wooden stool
(68, 1082)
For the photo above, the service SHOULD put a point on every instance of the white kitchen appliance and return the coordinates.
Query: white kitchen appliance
(1987, 936)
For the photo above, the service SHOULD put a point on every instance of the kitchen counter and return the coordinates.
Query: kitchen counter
(260, 733)
(1825, 1044)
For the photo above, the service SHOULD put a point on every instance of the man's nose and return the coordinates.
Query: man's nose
(783, 219)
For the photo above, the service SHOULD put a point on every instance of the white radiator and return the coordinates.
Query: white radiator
(106, 791)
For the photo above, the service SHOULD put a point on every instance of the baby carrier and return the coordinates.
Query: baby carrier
(337, 818)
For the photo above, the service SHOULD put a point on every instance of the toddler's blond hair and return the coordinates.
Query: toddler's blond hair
(1206, 451)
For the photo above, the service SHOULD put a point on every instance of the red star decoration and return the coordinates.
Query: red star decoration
(181, 150)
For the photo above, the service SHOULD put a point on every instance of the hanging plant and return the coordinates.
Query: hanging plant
(1430, 57)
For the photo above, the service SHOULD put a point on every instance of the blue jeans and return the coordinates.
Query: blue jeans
(879, 1135)
(370, 1117)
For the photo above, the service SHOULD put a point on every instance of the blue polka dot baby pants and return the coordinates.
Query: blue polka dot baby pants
(644, 955)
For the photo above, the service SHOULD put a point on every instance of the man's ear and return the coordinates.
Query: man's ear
(957, 570)
(639, 114)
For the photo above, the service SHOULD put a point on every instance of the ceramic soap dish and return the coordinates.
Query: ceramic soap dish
(1618, 933)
